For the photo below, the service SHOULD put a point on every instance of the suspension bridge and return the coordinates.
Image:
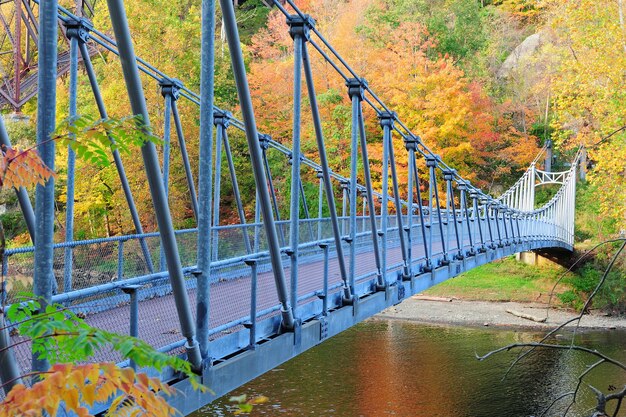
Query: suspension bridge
(237, 300)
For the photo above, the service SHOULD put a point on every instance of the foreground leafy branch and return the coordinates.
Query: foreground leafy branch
(60, 336)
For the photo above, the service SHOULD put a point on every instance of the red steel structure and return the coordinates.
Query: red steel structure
(18, 49)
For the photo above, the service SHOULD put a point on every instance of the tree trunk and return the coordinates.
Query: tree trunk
(620, 6)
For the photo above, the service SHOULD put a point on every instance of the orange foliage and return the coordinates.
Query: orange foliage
(78, 385)
(452, 115)
(22, 168)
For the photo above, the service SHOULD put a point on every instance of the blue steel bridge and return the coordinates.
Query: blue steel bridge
(237, 300)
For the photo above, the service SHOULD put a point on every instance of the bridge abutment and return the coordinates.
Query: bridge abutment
(532, 258)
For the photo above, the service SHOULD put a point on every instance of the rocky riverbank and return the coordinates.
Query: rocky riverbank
(449, 311)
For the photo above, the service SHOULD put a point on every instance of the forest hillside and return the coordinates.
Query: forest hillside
(485, 83)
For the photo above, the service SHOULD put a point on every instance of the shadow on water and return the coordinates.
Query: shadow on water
(395, 368)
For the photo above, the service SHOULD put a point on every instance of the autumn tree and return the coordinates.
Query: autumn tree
(432, 96)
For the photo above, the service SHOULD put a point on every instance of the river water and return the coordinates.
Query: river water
(399, 368)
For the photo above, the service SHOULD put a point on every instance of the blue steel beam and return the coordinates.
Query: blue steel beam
(44, 283)
(387, 121)
(297, 29)
(71, 165)
(205, 171)
(155, 179)
(241, 80)
(328, 187)
(223, 125)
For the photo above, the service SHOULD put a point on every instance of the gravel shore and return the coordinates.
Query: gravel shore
(492, 314)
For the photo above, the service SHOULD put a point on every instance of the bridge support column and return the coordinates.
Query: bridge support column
(256, 155)
(71, 168)
(320, 205)
(448, 175)
(264, 141)
(298, 30)
(462, 186)
(44, 283)
(477, 219)
(170, 89)
(222, 121)
(487, 210)
(386, 122)
(205, 172)
(411, 144)
(348, 295)
(356, 91)
(432, 163)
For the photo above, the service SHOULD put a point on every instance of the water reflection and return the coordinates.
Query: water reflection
(395, 368)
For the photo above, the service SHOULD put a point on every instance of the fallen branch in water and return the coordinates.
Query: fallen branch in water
(526, 316)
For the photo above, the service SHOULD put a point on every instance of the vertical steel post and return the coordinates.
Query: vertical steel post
(257, 220)
(384, 204)
(431, 163)
(183, 153)
(356, 88)
(330, 198)
(132, 290)
(409, 144)
(166, 152)
(486, 207)
(222, 121)
(217, 188)
(153, 173)
(448, 175)
(252, 263)
(120, 260)
(205, 172)
(386, 122)
(345, 196)
(239, 70)
(462, 187)
(297, 29)
(364, 210)
(354, 156)
(324, 247)
(305, 208)
(512, 225)
(17, 53)
(320, 196)
(496, 207)
(418, 192)
(505, 211)
(44, 283)
(167, 127)
(474, 197)
(71, 167)
(529, 204)
(264, 141)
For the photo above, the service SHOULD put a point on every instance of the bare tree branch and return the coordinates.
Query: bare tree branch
(528, 348)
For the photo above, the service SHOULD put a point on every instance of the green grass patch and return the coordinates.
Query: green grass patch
(503, 280)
